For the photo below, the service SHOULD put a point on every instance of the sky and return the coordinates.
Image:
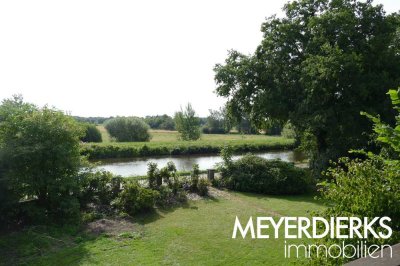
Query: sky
(127, 58)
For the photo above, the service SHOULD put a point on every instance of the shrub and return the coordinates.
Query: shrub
(288, 131)
(128, 129)
(40, 157)
(134, 198)
(99, 187)
(255, 174)
(152, 175)
(355, 188)
(202, 187)
(194, 177)
(168, 197)
(92, 133)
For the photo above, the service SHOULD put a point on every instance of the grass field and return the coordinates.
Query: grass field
(167, 143)
(196, 234)
(167, 136)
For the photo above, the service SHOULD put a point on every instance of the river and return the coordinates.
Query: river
(138, 166)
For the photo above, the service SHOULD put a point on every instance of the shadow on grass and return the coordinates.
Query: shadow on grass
(44, 245)
(161, 212)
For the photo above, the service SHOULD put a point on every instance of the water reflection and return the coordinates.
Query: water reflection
(138, 166)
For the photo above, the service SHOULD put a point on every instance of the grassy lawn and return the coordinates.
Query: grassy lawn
(198, 233)
(171, 137)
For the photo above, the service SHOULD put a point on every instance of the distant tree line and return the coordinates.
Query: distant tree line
(93, 120)
(164, 122)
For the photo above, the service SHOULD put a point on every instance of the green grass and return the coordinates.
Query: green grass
(167, 143)
(171, 137)
(196, 234)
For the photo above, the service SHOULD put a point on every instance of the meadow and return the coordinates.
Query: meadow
(198, 232)
(167, 143)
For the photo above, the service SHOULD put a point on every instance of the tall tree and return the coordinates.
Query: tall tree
(217, 122)
(187, 123)
(318, 67)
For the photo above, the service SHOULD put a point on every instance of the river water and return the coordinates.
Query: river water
(138, 166)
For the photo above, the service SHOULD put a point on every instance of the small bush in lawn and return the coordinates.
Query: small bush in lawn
(255, 174)
(202, 187)
(128, 129)
(134, 198)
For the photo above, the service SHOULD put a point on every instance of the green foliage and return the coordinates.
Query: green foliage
(134, 198)
(187, 124)
(156, 177)
(318, 67)
(92, 133)
(99, 187)
(245, 126)
(367, 188)
(386, 134)
(288, 131)
(40, 157)
(202, 187)
(217, 122)
(164, 122)
(152, 175)
(128, 129)
(356, 188)
(255, 174)
(194, 177)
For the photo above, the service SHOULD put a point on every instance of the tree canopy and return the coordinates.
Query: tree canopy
(318, 66)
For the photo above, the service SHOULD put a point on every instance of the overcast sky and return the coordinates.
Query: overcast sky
(108, 58)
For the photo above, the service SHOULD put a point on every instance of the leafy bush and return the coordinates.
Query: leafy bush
(92, 133)
(167, 196)
(99, 187)
(288, 131)
(194, 177)
(40, 158)
(134, 198)
(202, 187)
(255, 174)
(128, 129)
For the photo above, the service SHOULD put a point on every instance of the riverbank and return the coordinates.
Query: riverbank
(167, 143)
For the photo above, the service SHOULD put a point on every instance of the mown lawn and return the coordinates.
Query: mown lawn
(198, 233)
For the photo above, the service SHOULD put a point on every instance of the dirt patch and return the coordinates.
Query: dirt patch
(113, 227)
(193, 196)
(218, 193)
